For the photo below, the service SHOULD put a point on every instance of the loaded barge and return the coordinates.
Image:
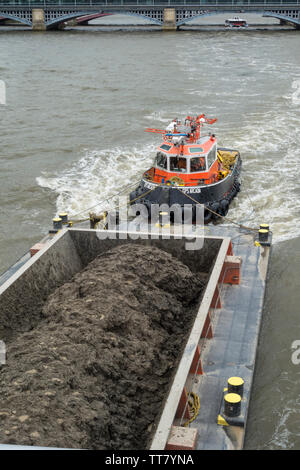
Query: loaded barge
(206, 404)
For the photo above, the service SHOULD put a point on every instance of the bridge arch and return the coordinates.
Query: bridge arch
(19, 19)
(292, 18)
(182, 20)
(146, 15)
(86, 19)
(288, 19)
(53, 22)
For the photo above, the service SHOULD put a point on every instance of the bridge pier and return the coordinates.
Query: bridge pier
(38, 19)
(72, 22)
(169, 17)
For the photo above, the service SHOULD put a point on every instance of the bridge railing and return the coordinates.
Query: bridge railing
(150, 3)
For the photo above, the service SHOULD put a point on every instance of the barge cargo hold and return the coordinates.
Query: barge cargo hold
(197, 412)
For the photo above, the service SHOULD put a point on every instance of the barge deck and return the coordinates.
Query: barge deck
(223, 340)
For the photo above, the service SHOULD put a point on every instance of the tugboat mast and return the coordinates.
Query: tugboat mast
(191, 133)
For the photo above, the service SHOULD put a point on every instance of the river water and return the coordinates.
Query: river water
(72, 132)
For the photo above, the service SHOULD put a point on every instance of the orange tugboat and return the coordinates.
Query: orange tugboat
(190, 168)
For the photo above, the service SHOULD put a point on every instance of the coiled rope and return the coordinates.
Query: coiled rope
(194, 407)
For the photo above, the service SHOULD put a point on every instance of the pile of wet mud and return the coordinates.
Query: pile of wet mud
(95, 371)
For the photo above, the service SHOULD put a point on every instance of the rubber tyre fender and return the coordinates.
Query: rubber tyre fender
(224, 207)
(216, 208)
(237, 187)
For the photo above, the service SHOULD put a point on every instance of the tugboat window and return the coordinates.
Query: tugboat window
(161, 160)
(178, 164)
(165, 147)
(196, 150)
(211, 157)
(198, 164)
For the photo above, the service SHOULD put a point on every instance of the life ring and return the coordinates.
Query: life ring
(216, 208)
(176, 180)
(224, 207)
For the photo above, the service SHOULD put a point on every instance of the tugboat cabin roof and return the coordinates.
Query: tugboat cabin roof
(202, 147)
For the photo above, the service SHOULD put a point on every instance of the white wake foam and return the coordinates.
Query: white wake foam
(98, 175)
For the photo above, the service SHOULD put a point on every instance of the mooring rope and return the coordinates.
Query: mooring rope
(107, 199)
(219, 215)
(160, 185)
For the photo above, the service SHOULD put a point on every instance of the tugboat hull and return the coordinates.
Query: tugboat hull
(215, 197)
